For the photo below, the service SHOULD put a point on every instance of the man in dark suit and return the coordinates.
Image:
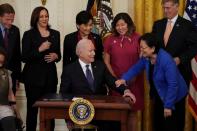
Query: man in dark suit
(179, 38)
(84, 23)
(182, 41)
(88, 77)
(10, 41)
(40, 53)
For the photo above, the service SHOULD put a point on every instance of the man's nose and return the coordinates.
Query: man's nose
(10, 22)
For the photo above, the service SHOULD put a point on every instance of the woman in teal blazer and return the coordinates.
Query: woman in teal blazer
(167, 85)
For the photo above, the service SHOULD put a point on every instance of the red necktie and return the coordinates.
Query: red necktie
(5, 39)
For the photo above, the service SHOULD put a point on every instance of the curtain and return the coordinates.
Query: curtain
(145, 13)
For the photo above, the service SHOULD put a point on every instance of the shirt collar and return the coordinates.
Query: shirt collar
(83, 64)
(174, 19)
(2, 28)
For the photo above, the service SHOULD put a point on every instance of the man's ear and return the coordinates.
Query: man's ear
(80, 52)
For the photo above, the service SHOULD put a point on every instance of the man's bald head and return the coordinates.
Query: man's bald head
(85, 50)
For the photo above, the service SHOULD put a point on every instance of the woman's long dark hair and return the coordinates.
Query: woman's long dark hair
(35, 16)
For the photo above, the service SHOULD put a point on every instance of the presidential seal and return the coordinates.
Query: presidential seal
(81, 111)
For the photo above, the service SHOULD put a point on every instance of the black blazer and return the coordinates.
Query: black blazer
(70, 42)
(36, 71)
(14, 52)
(73, 80)
(182, 42)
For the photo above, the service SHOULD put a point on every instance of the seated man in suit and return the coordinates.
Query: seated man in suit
(88, 77)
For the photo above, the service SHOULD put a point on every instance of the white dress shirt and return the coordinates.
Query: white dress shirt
(83, 66)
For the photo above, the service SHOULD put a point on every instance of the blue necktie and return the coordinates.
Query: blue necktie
(89, 77)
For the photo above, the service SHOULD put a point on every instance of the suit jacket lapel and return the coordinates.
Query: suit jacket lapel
(80, 73)
(10, 34)
(175, 29)
(176, 26)
(10, 40)
(75, 39)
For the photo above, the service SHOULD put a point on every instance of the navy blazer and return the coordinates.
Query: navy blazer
(14, 51)
(167, 79)
(182, 43)
(73, 80)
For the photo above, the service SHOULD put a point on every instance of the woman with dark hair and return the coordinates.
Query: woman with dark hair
(84, 23)
(168, 86)
(121, 51)
(40, 52)
(7, 117)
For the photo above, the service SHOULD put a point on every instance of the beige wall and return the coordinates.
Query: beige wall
(62, 17)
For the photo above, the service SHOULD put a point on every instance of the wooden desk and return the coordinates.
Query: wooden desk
(106, 108)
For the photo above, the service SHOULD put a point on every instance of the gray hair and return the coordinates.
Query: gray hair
(174, 1)
(81, 45)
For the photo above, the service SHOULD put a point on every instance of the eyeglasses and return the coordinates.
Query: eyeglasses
(143, 47)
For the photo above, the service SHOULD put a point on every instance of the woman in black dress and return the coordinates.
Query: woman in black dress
(40, 52)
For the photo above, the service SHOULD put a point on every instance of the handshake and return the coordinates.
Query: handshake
(129, 97)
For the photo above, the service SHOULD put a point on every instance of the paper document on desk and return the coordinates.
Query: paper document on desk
(76, 98)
